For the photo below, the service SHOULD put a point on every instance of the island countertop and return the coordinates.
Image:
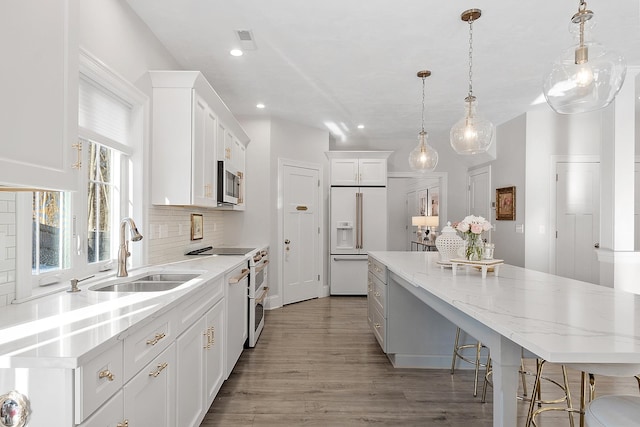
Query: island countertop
(64, 329)
(558, 319)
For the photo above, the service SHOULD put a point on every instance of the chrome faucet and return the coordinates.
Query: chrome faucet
(123, 251)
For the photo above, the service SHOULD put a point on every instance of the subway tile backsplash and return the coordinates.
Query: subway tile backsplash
(7, 247)
(169, 232)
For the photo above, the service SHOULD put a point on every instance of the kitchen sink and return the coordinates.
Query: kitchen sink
(158, 282)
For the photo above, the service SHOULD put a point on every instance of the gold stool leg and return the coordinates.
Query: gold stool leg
(567, 391)
(455, 351)
(535, 392)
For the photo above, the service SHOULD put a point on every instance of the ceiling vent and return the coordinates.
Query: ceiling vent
(246, 39)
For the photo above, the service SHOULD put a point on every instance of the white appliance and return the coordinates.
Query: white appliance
(229, 184)
(237, 308)
(258, 289)
(358, 225)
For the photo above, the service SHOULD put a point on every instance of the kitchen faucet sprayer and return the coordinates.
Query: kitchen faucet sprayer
(123, 251)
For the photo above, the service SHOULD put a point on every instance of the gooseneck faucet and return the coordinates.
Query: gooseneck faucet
(123, 251)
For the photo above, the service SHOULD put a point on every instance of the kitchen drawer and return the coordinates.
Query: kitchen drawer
(379, 269)
(379, 294)
(198, 304)
(379, 328)
(146, 343)
(97, 380)
(109, 415)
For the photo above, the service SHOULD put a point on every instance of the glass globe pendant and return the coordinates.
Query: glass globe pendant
(472, 134)
(586, 77)
(423, 158)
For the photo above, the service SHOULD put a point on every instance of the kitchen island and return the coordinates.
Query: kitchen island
(558, 319)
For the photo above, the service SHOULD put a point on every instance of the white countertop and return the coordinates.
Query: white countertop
(560, 320)
(65, 329)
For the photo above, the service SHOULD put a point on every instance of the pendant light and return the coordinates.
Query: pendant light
(424, 157)
(472, 134)
(586, 77)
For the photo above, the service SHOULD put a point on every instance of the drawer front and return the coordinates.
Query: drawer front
(197, 305)
(379, 328)
(98, 380)
(148, 342)
(379, 295)
(378, 269)
(111, 414)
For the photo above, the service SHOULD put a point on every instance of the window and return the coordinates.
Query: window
(77, 233)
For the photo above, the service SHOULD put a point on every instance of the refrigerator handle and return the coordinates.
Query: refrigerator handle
(358, 220)
(360, 228)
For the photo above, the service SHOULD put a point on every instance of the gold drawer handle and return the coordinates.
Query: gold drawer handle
(125, 423)
(157, 338)
(106, 374)
(377, 294)
(211, 337)
(377, 325)
(161, 367)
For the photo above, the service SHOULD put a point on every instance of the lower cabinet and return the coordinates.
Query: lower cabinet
(200, 367)
(146, 400)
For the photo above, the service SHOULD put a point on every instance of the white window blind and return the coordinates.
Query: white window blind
(104, 113)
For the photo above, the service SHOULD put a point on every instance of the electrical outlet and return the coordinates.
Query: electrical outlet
(520, 228)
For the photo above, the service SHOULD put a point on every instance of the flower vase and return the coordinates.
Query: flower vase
(474, 247)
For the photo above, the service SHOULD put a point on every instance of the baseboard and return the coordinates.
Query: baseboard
(420, 362)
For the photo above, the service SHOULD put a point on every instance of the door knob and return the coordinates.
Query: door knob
(287, 241)
(597, 245)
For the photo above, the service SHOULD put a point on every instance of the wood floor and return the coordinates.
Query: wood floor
(318, 364)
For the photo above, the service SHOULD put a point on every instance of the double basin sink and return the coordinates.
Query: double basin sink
(155, 282)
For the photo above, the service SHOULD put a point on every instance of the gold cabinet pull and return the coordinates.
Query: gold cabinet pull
(244, 272)
(125, 423)
(211, 337)
(301, 208)
(376, 294)
(377, 325)
(106, 374)
(157, 338)
(161, 367)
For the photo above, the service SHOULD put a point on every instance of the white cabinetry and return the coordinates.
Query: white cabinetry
(200, 357)
(190, 126)
(39, 86)
(149, 397)
(377, 301)
(359, 171)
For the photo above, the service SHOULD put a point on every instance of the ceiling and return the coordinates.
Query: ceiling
(353, 62)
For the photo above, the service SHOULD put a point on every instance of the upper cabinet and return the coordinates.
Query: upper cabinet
(365, 168)
(39, 109)
(191, 126)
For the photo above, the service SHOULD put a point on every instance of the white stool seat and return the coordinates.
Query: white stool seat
(613, 411)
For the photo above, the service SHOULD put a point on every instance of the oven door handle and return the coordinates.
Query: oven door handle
(262, 266)
(235, 279)
(263, 296)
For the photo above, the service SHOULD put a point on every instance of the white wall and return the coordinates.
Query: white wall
(509, 170)
(549, 134)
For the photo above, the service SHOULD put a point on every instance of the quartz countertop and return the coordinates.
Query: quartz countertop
(559, 319)
(65, 329)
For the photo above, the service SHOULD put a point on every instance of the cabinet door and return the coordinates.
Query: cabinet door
(39, 86)
(149, 396)
(344, 171)
(204, 132)
(372, 171)
(190, 348)
(214, 352)
(109, 415)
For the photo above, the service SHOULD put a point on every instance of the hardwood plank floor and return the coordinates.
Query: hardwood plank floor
(318, 364)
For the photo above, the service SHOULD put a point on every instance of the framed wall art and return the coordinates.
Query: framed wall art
(506, 204)
(196, 227)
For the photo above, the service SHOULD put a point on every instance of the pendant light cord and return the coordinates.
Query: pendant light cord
(423, 79)
(470, 57)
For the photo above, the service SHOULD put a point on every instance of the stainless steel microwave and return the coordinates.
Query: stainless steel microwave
(229, 183)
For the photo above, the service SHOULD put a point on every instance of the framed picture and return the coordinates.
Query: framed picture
(506, 204)
(196, 227)
(422, 202)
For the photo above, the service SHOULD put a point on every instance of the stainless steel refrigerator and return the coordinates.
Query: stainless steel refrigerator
(358, 225)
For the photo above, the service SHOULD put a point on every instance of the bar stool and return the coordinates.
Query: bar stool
(458, 354)
(613, 411)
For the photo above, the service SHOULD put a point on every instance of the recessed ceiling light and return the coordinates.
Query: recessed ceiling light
(236, 52)
(360, 126)
(260, 105)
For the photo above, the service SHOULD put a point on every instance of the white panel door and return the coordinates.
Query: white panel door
(374, 219)
(301, 257)
(636, 211)
(577, 220)
(412, 209)
(480, 193)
